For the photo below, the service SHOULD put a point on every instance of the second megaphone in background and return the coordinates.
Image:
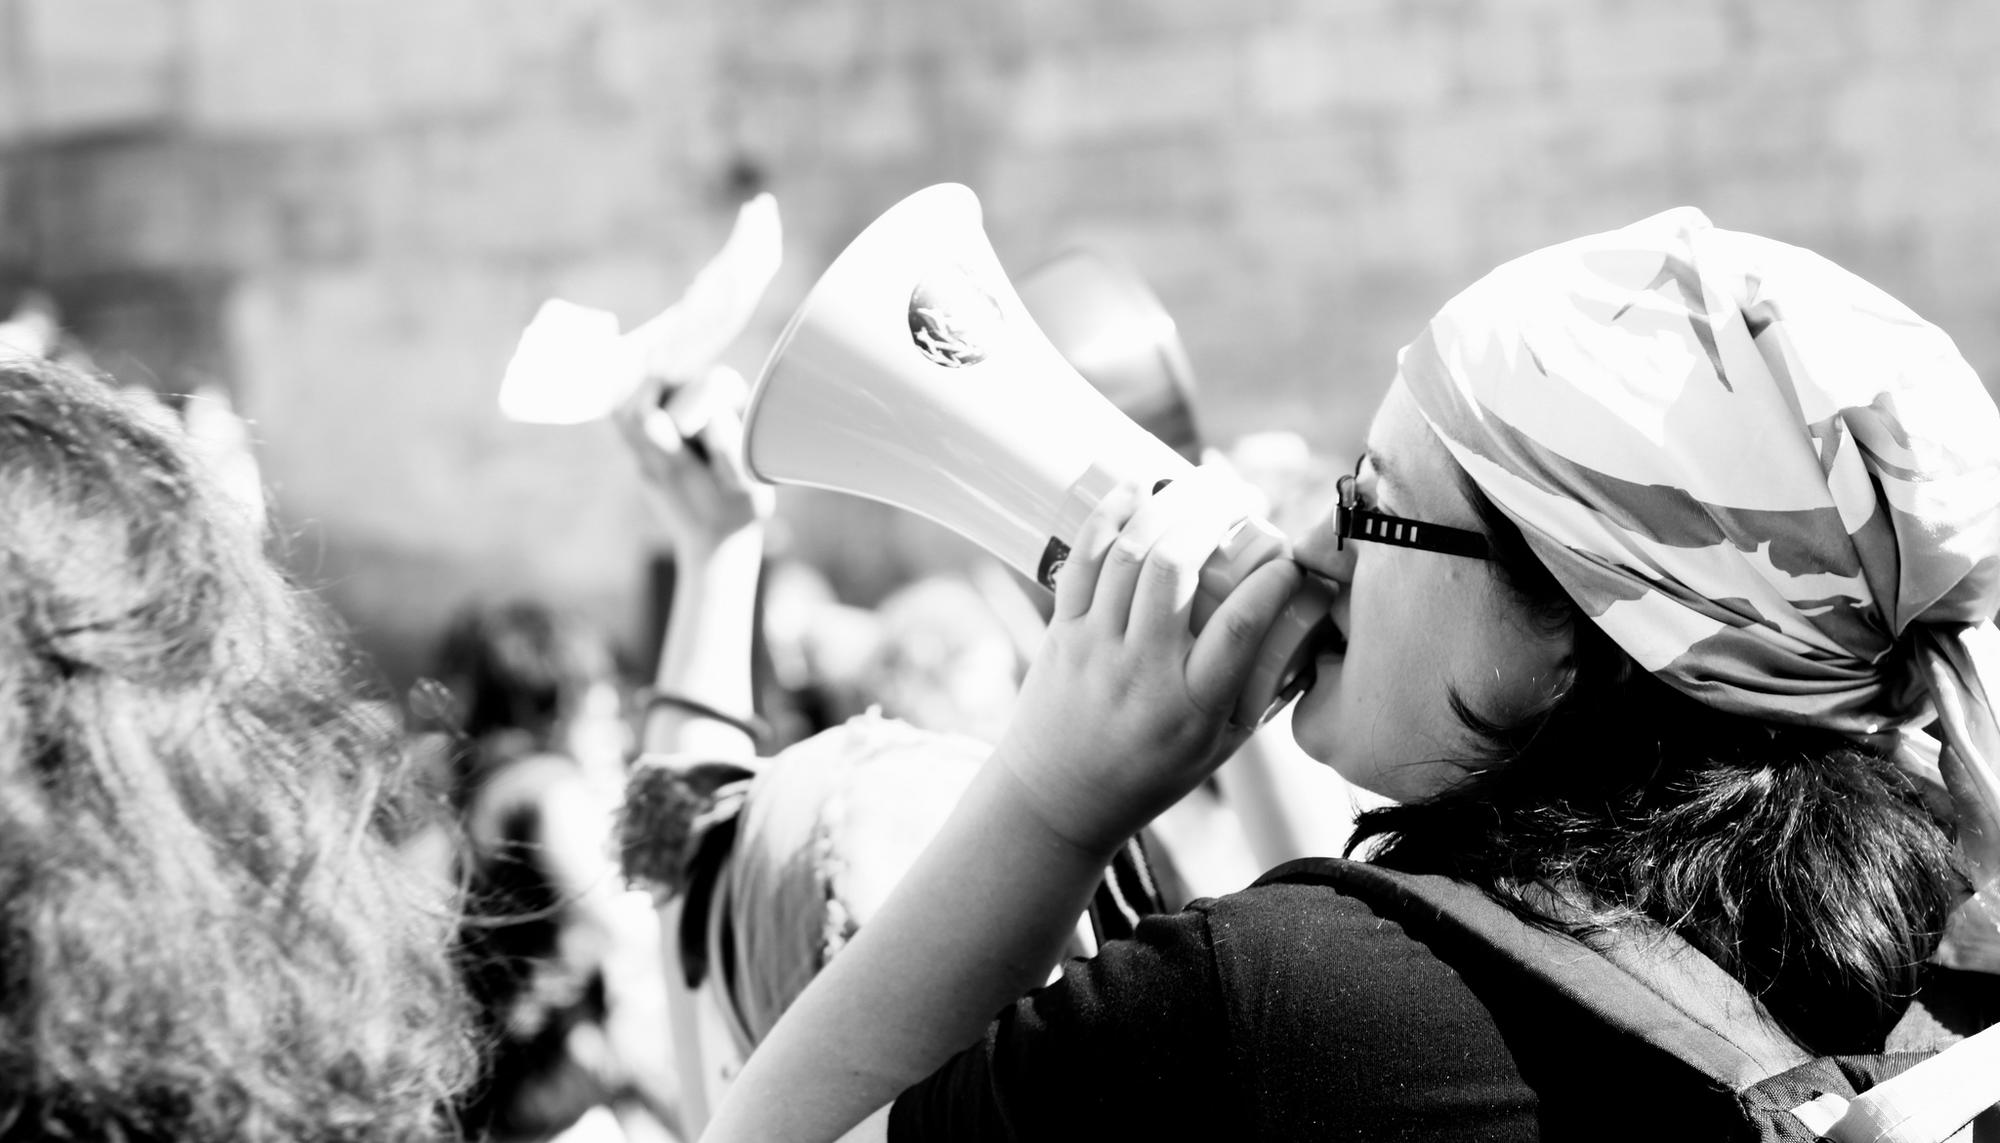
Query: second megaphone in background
(912, 374)
(1108, 324)
(573, 365)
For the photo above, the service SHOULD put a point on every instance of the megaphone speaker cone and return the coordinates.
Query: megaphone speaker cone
(913, 375)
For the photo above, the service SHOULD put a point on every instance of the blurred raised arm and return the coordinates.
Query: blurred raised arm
(688, 440)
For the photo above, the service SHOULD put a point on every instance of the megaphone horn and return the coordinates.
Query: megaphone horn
(913, 375)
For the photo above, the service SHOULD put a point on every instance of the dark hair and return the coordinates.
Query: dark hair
(1800, 861)
(206, 935)
(520, 665)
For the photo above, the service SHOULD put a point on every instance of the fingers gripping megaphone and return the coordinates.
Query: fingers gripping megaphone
(913, 375)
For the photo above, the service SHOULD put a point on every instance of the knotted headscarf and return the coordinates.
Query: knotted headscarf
(1771, 483)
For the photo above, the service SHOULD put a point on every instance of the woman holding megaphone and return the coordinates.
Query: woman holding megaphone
(1666, 544)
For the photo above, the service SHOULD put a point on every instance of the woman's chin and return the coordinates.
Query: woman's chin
(1313, 718)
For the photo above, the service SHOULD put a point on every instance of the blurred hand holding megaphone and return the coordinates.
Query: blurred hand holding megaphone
(572, 365)
(688, 442)
(913, 374)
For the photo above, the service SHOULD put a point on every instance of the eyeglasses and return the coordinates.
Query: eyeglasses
(1353, 522)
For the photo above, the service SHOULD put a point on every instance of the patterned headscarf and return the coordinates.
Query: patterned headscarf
(1771, 483)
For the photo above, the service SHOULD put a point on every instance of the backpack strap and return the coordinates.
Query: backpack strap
(1929, 1102)
(1651, 985)
(1648, 984)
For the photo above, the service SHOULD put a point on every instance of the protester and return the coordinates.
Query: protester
(207, 935)
(765, 867)
(1664, 542)
(548, 936)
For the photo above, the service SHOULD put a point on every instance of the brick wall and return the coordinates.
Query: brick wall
(347, 209)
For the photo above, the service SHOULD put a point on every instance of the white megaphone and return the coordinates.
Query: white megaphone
(913, 375)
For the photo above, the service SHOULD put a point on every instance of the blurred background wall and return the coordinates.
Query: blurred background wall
(344, 210)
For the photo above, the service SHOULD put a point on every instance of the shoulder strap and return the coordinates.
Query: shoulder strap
(1931, 1101)
(1651, 985)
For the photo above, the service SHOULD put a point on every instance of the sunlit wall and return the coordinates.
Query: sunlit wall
(346, 209)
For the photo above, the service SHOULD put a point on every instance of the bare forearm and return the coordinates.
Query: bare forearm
(705, 654)
(976, 923)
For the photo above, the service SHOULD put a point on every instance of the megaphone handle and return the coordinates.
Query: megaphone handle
(1248, 546)
(1286, 657)
(1078, 502)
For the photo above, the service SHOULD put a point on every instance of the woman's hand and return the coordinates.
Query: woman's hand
(688, 440)
(1126, 710)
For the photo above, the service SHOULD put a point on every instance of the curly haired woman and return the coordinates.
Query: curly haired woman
(205, 933)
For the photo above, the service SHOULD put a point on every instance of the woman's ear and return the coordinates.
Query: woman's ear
(1594, 657)
(1566, 675)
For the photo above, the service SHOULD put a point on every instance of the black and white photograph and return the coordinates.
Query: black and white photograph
(794, 571)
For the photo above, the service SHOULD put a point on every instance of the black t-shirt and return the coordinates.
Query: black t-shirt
(1282, 1012)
